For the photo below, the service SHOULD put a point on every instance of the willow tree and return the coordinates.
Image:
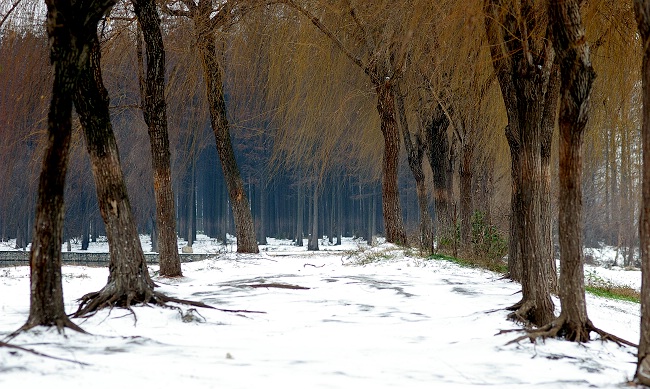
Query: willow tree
(154, 107)
(71, 27)
(379, 46)
(522, 57)
(414, 145)
(207, 22)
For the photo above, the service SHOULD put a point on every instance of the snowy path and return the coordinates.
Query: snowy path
(401, 323)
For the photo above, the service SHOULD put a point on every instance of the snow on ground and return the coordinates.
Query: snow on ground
(369, 318)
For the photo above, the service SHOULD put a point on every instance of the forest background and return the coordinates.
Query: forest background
(303, 121)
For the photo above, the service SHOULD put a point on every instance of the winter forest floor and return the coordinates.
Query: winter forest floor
(346, 316)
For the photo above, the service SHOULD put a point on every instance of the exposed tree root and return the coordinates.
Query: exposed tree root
(516, 305)
(27, 350)
(521, 313)
(111, 297)
(562, 328)
(60, 324)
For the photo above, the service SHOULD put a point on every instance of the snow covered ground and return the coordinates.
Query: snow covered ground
(346, 316)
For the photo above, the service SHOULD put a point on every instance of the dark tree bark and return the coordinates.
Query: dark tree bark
(577, 77)
(438, 151)
(299, 213)
(155, 116)
(415, 155)
(522, 63)
(312, 244)
(263, 217)
(205, 30)
(339, 210)
(128, 280)
(392, 210)
(85, 222)
(548, 127)
(642, 10)
(71, 27)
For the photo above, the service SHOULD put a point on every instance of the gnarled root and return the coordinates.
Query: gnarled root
(571, 331)
(113, 296)
(521, 313)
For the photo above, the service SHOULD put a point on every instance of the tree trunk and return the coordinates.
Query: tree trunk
(437, 149)
(71, 30)
(191, 203)
(577, 77)
(415, 154)
(466, 176)
(642, 10)
(85, 227)
(299, 217)
(155, 115)
(263, 217)
(523, 76)
(128, 280)
(392, 211)
(246, 242)
(312, 245)
(339, 210)
(548, 127)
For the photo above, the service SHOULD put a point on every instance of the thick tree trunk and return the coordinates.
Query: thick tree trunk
(577, 76)
(71, 30)
(642, 10)
(246, 242)
(128, 280)
(535, 271)
(514, 258)
(392, 210)
(522, 63)
(155, 115)
(548, 127)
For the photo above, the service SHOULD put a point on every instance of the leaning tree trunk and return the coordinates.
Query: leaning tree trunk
(155, 115)
(71, 30)
(128, 280)
(392, 210)
(642, 10)
(246, 242)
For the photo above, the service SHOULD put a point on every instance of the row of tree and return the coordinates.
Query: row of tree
(440, 79)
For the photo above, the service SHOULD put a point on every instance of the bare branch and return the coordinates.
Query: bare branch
(316, 21)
